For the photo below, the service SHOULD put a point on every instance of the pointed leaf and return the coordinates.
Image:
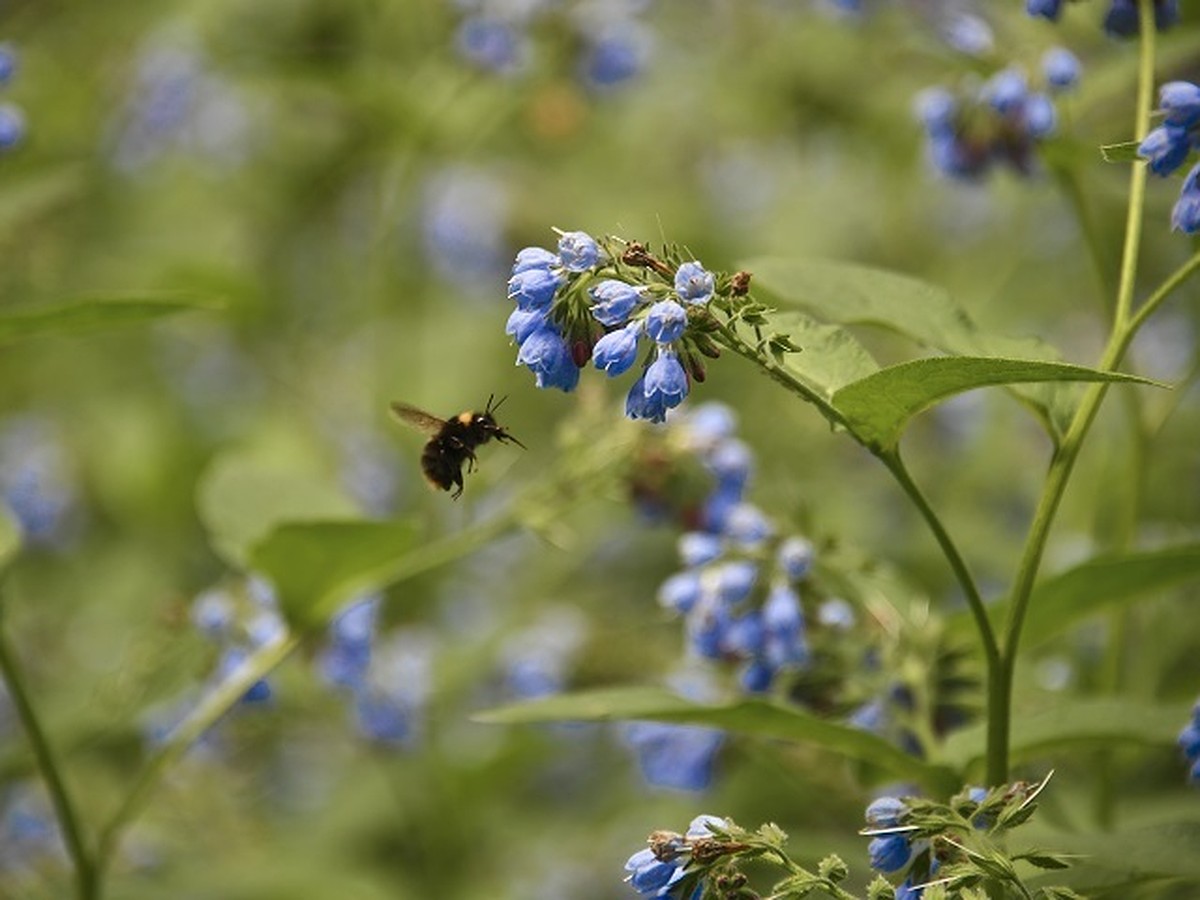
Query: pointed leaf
(879, 406)
(84, 315)
(1062, 600)
(851, 294)
(241, 500)
(318, 566)
(759, 718)
(1078, 723)
(1164, 850)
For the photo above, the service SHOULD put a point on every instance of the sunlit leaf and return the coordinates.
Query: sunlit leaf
(94, 313)
(759, 718)
(1078, 723)
(880, 405)
(241, 500)
(317, 566)
(847, 294)
(829, 357)
(1123, 152)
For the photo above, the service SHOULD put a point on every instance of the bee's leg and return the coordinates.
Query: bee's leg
(458, 484)
(471, 460)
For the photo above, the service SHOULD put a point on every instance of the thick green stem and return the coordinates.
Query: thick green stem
(86, 875)
(1063, 463)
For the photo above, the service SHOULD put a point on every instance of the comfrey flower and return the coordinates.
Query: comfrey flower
(240, 621)
(1189, 743)
(1121, 18)
(1000, 122)
(390, 701)
(1168, 146)
(36, 484)
(537, 658)
(662, 869)
(591, 300)
(680, 757)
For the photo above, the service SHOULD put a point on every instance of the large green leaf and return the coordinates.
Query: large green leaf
(317, 566)
(1061, 601)
(102, 311)
(1077, 723)
(241, 499)
(830, 356)
(760, 718)
(1167, 849)
(852, 294)
(879, 406)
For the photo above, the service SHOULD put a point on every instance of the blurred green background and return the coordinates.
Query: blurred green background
(347, 190)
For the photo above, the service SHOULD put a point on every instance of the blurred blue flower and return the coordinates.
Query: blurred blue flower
(1189, 743)
(889, 853)
(346, 658)
(390, 701)
(675, 756)
(1061, 68)
(29, 835)
(698, 547)
(35, 480)
(536, 658)
(615, 54)
(491, 43)
(967, 33)
(886, 812)
(463, 217)
(1179, 102)
(1185, 216)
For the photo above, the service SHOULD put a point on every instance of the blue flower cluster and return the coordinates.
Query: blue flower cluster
(29, 835)
(1189, 743)
(1168, 146)
(660, 870)
(388, 683)
(12, 119)
(615, 45)
(1001, 121)
(1121, 18)
(464, 211)
(565, 317)
(240, 623)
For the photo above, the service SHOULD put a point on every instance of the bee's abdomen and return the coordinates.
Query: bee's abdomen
(441, 464)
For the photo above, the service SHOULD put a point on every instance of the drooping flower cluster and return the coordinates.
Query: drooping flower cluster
(36, 481)
(587, 303)
(1120, 19)
(997, 122)
(1168, 146)
(388, 683)
(673, 865)
(615, 45)
(959, 27)
(1189, 743)
(12, 119)
(239, 621)
(536, 659)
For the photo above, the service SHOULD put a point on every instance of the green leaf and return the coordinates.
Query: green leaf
(241, 499)
(1124, 152)
(10, 537)
(317, 566)
(1079, 723)
(1044, 860)
(850, 294)
(1062, 600)
(829, 356)
(1165, 849)
(879, 406)
(105, 311)
(759, 718)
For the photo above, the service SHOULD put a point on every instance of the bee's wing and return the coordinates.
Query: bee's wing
(417, 418)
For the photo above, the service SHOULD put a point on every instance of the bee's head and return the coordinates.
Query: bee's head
(487, 424)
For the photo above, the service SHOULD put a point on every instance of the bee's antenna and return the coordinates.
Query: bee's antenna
(499, 403)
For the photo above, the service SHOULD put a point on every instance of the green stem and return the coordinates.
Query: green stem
(1155, 300)
(210, 710)
(1063, 463)
(86, 874)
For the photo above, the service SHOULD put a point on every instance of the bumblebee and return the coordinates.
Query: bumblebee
(452, 442)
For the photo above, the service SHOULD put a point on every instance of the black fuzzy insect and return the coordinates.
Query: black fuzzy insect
(452, 442)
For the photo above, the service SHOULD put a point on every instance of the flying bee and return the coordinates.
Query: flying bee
(452, 442)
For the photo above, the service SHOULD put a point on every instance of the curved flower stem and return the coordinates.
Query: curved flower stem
(892, 462)
(210, 710)
(86, 874)
(1155, 300)
(1063, 462)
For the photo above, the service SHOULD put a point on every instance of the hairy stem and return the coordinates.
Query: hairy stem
(1063, 463)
